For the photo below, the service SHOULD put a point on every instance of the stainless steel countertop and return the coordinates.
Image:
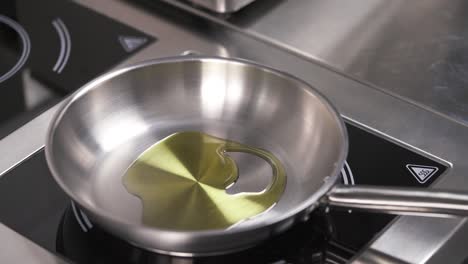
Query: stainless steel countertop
(409, 239)
(222, 6)
(414, 49)
(17, 249)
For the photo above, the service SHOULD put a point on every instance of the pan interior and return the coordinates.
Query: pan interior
(103, 130)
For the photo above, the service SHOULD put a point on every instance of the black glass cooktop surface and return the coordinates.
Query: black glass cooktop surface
(33, 205)
(50, 48)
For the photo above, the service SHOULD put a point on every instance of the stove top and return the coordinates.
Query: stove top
(305, 243)
(32, 204)
(327, 237)
(45, 55)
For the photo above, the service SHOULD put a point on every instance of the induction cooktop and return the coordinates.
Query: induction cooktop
(49, 54)
(46, 55)
(55, 223)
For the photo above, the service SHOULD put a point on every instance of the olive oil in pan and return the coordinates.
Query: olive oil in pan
(182, 181)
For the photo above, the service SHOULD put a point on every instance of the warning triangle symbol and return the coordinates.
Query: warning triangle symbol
(422, 173)
(131, 43)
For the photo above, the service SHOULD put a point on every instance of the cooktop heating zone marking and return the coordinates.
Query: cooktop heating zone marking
(26, 46)
(65, 45)
(347, 174)
(81, 218)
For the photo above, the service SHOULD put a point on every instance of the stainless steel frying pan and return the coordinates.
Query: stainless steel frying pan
(107, 124)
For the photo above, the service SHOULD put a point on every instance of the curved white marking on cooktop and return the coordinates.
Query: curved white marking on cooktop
(86, 219)
(75, 212)
(26, 46)
(62, 44)
(350, 175)
(65, 45)
(347, 174)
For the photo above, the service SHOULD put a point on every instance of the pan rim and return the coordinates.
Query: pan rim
(308, 204)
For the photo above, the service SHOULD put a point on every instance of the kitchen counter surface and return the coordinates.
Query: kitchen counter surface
(412, 49)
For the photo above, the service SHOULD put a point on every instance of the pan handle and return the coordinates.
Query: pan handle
(395, 200)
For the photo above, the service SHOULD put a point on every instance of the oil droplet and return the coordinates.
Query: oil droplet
(182, 180)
